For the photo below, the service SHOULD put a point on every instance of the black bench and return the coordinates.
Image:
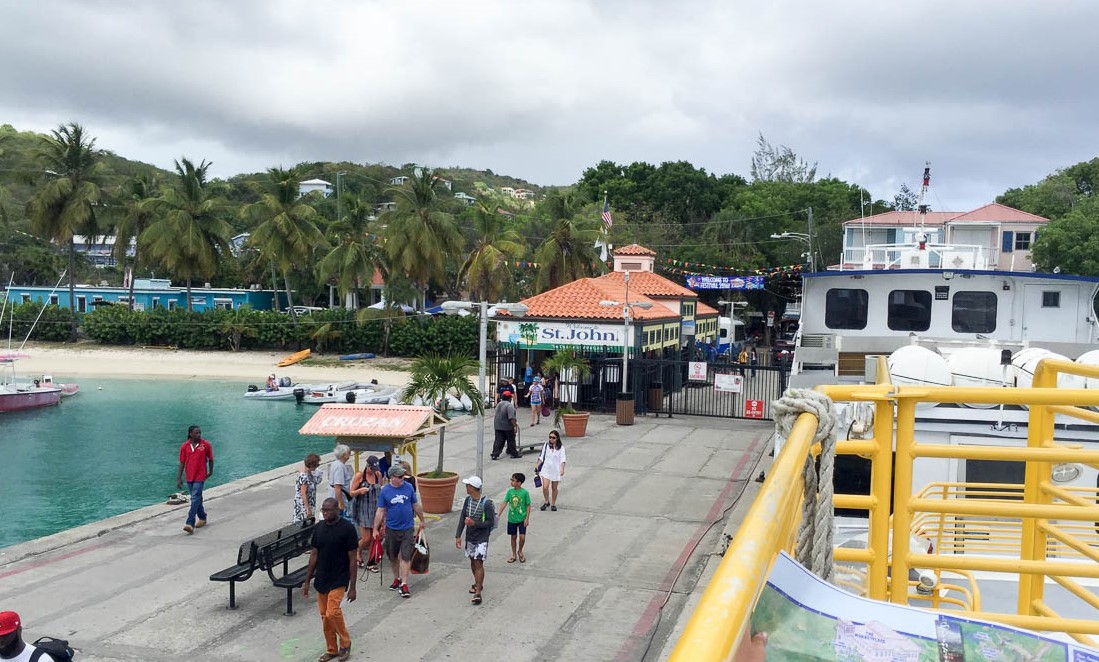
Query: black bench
(248, 559)
(280, 552)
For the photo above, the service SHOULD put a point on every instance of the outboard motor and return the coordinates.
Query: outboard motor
(284, 381)
(299, 395)
(350, 397)
(252, 388)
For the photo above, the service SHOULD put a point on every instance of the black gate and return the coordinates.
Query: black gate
(665, 385)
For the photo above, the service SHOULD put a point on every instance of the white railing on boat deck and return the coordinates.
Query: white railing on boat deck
(910, 256)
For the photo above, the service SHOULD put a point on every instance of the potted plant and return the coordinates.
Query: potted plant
(433, 376)
(570, 367)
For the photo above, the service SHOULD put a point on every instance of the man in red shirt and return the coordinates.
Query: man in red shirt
(196, 460)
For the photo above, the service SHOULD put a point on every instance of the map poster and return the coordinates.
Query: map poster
(729, 383)
(808, 619)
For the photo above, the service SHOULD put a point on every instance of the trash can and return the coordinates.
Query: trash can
(656, 397)
(624, 409)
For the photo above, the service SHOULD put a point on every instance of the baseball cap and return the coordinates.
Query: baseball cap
(9, 622)
(396, 470)
(505, 394)
(475, 481)
(372, 461)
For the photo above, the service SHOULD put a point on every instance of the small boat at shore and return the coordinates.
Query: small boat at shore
(363, 395)
(289, 391)
(17, 397)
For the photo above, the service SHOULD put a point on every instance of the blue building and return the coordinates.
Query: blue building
(151, 293)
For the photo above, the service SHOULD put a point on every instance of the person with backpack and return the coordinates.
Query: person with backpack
(478, 519)
(13, 648)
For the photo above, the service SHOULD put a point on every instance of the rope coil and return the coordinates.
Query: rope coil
(814, 541)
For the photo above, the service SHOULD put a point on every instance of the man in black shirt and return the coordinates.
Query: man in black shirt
(333, 562)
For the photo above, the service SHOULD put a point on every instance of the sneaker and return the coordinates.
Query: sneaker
(199, 524)
(405, 593)
(544, 506)
(396, 584)
(188, 528)
(553, 508)
(494, 457)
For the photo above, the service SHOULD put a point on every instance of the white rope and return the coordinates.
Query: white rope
(814, 543)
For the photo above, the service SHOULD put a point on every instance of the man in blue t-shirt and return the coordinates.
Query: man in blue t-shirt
(397, 503)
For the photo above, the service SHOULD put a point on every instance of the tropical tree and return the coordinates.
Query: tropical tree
(434, 376)
(287, 232)
(237, 325)
(419, 236)
(139, 206)
(486, 269)
(324, 335)
(568, 253)
(66, 205)
(188, 233)
(355, 254)
(570, 368)
(396, 292)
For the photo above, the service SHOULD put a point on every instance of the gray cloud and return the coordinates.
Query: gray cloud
(541, 90)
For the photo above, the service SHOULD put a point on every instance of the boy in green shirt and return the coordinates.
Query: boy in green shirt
(517, 502)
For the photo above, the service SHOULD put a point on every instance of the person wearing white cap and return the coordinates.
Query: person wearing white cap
(478, 519)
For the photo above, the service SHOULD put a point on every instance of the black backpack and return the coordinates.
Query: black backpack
(58, 649)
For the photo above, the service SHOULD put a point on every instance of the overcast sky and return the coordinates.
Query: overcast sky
(994, 94)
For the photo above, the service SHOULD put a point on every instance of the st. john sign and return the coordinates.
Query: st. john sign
(554, 335)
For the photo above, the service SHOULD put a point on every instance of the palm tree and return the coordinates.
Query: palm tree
(486, 269)
(189, 233)
(419, 237)
(570, 367)
(396, 292)
(324, 336)
(568, 253)
(66, 205)
(287, 232)
(357, 252)
(432, 377)
(140, 207)
(237, 325)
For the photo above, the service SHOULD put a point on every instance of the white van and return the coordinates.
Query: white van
(730, 335)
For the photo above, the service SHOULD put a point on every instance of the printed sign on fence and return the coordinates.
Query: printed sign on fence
(753, 409)
(696, 371)
(728, 383)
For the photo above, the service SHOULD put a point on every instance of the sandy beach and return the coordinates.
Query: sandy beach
(253, 367)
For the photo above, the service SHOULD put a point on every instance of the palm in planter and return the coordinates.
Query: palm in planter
(433, 376)
(570, 367)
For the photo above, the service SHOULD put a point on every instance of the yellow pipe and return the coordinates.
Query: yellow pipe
(716, 626)
(1079, 591)
(1069, 540)
(1016, 453)
(857, 447)
(1066, 496)
(902, 497)
(854, 501)
(1005, 509)
(881, 470)
(849, 555)
(1044, 610)
(1076, 412)
(1011, 566)
(1040, 623)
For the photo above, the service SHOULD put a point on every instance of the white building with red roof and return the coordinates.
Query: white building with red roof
(1000, 235)
(572, 315)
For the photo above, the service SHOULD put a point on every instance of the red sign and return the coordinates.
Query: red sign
(753, 409)
(771, 314)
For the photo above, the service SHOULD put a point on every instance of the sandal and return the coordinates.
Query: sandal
(522, 559)
(327, 656)
(476, 599)
(473, 588)
(511, 560)
(373, 568)
(361, 564)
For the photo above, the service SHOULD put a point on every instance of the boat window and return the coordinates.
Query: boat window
(845, 308)
(909, 310)
(1051, 299)
(974, 312)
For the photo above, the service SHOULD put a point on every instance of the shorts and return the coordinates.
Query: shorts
(399, 542)
(517, 527)
(477, 551)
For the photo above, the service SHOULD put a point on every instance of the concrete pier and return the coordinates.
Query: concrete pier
(641, 508)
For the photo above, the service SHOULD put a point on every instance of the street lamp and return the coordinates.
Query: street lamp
(802, 237)
(451, 308)
(626, 305)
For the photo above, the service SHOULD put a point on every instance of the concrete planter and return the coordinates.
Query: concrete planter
(437, 494)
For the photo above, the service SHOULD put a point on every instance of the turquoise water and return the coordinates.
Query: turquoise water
(110, 451)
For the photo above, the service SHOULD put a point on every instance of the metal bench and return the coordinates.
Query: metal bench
(281, 551)
(247, 560)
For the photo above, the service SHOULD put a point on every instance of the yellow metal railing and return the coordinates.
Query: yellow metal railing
(1036, 531)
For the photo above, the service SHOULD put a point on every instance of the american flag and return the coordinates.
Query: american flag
(607, 220)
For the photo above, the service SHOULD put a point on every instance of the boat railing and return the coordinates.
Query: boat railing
(1033, 532)
(912, 256)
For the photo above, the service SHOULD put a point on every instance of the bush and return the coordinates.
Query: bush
(54, 324)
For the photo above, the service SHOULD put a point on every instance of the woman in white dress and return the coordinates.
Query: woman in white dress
(551, 467)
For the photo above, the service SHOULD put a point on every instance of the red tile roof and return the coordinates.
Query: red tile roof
(705, 311)
(635, 249)
(580, 300)
(650, 284)
(996, 212)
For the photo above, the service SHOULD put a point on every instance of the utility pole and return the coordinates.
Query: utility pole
(339, 185)
(811, 262)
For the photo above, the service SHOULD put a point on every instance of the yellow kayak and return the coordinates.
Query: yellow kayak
(294, 358)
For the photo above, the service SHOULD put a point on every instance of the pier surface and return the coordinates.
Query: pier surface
(608, 576)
